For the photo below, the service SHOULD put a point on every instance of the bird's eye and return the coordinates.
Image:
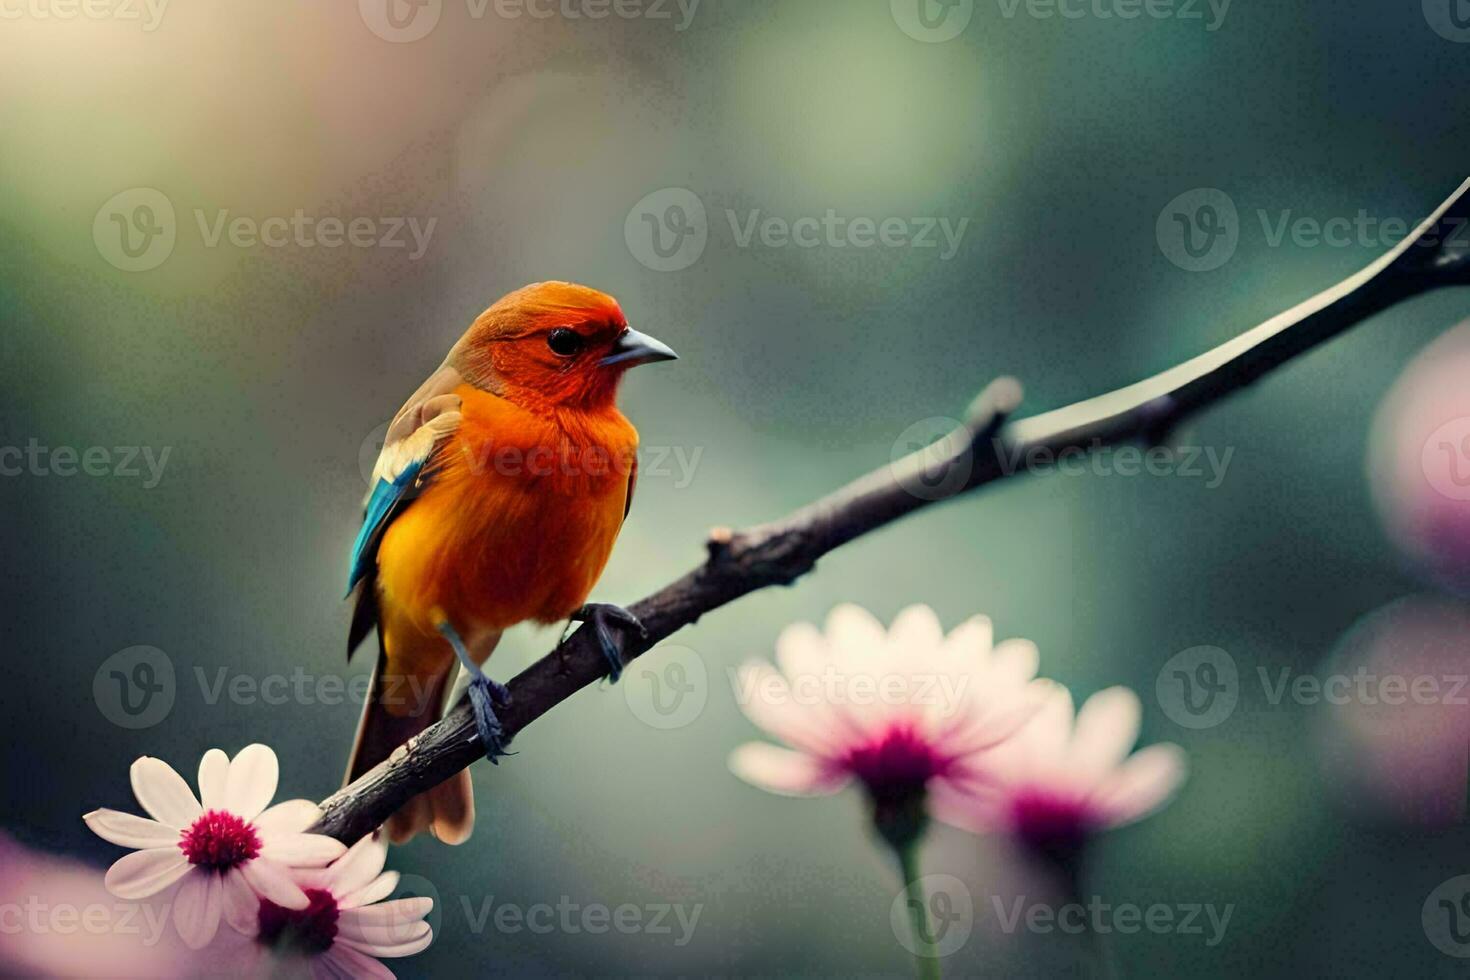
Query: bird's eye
(564, 342)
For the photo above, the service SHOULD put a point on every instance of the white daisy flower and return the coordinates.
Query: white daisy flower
(1066, 776)
(346, 926)
(903, 712)
(226, 853)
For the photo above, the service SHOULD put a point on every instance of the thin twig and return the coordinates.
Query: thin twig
(982, 450)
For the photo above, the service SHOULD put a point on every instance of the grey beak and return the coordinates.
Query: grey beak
(634, 348)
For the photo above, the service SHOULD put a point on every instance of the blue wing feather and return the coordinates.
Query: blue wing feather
(386, 497)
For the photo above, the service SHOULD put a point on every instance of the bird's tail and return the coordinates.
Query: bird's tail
(400, 704)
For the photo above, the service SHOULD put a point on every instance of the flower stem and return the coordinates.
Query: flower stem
(1069, 873)
(908, 862)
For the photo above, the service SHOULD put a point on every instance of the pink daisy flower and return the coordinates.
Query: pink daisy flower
(1061, 779)
(902, 712)
(346, 926)
(225, 853)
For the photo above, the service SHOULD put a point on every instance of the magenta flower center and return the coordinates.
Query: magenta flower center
(1052, 822)
(896, 766)
(219, 841)
(310, 930)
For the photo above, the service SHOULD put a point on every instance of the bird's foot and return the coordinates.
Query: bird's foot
(603, 617)
(485, 696)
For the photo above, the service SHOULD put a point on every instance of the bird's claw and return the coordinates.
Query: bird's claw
(601, 616)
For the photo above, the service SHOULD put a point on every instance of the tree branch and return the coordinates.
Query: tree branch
(982, 450)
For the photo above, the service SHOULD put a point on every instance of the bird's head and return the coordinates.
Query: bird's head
(554, 344)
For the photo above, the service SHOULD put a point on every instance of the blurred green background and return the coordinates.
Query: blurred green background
(529, 142)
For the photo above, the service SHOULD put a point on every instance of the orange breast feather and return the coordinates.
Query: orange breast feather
(517, 520)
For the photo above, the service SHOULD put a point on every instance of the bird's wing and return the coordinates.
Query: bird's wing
(632, 485)
(415, 437)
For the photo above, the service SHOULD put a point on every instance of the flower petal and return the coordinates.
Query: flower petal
(915, 632)
(144, 873)
(163, 793)
(978, 809)
(800, 649)
(128, 830)
(251, 781)
(375, 891)
(1014, 661)
(1046, 733)
(271, 881)
(796, 716)
(401, 949)
(197, 907)
(355, 964)
(288, 817)
(972, 640)
(302, 850)
(1106, 728)
(1143, 783)
(214, 768)
(778, 770)
(852, 631)
(397, 913)
(359, 866)
(392, 930)
(241, 904)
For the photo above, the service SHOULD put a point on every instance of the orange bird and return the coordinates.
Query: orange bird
(502, 485)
